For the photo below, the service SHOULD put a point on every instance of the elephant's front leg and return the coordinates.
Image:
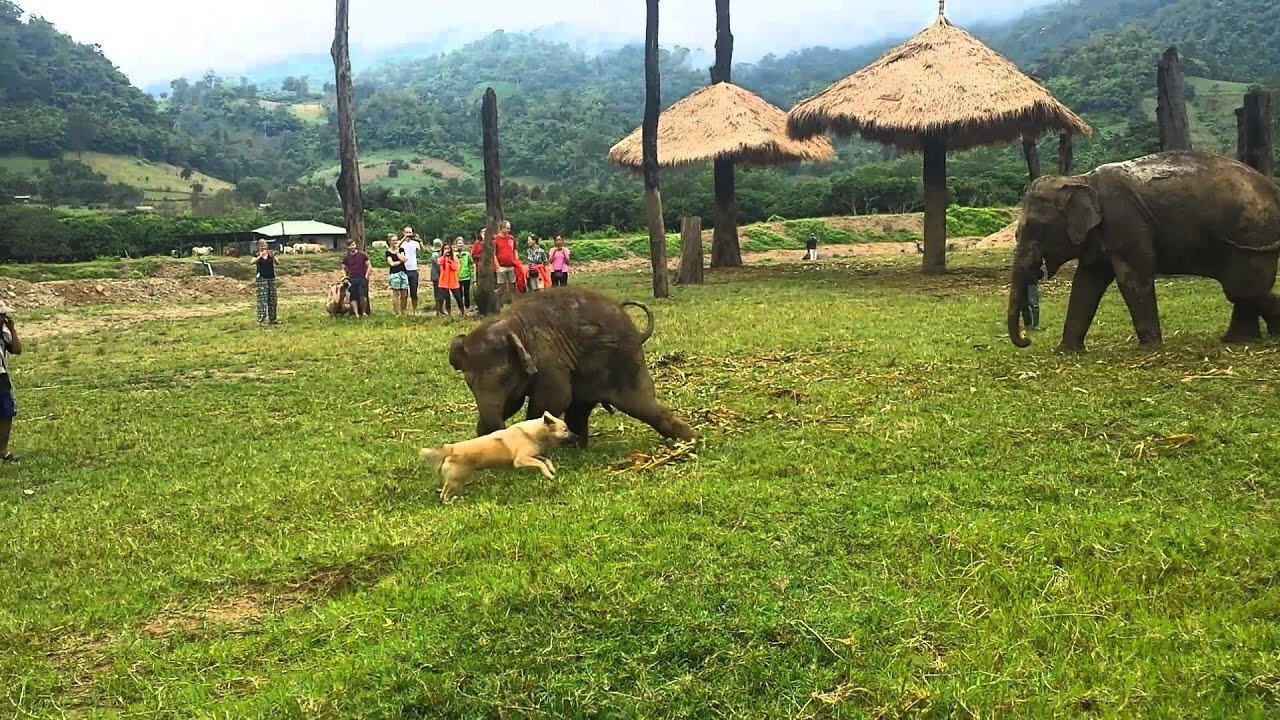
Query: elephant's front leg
(1138, 288)
(1088, 287)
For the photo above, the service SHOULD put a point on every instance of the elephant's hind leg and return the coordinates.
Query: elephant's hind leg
(640, 403)
(1244, 324)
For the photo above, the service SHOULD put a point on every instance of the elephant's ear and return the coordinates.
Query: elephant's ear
(458, 353)
(1082, 210)
(529, 365)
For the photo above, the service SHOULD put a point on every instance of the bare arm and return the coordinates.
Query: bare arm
(15, 345)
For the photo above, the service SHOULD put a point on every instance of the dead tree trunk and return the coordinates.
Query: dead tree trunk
(349, 176)
(935, 205)
(1032, 156)
(1066, 154)
(726, 250)
(486, 278)
(1171, 103)
(649, 144)
(1240, 143)
(691, 272)
(1258, 150)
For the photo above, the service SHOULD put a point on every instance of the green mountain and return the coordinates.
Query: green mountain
(561, 108)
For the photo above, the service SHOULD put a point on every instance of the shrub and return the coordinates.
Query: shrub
(595, 250)
(762, 239)
(827, 235)
(640, 245)
(976, 222)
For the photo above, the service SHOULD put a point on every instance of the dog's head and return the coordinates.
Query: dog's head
(551, 431)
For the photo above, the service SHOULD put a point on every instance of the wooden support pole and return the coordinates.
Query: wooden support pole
(726, 250)
(487, 300)
(935, 205)
(1066, 154)
(1240, 153)
(649, 144)
(691, 272)
(1032, 156)
(348, 184)
(1258, 149)
(1171, 103)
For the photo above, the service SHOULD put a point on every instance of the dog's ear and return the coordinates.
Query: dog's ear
(548, 418)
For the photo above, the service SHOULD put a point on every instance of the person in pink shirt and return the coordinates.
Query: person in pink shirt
(559, 264)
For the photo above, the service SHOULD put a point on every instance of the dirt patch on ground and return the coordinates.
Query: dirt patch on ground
(71, 324)
(64, 293)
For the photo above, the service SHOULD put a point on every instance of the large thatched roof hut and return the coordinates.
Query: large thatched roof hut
(940, 91)
(722, 121)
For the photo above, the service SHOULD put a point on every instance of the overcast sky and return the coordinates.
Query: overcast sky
(157, 40)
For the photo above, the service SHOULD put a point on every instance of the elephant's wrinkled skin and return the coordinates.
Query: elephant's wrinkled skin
(1171, 213)
(565, 350)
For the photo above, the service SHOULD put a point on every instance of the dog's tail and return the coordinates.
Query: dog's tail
(648, 331)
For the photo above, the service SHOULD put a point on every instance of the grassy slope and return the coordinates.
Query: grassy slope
(894, 512)
(373, 171)
(158, 181)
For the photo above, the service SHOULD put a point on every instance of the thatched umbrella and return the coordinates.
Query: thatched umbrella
(722, 121)
(941, 90)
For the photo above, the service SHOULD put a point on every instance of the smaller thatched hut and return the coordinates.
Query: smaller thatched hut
(722, 122)
(940, 91)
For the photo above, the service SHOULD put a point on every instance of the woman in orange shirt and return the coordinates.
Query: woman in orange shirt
(449, 283)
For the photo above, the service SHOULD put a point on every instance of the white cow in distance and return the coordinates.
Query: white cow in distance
(379, 245)
(201, 251)
(308, 248)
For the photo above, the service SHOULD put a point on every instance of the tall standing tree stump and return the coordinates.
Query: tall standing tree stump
(1254, 133)
(1171, 103)
(691, 272)
(1032, 157)
(487, 300)
(649, 143)
(1066, 154)
(726, 249)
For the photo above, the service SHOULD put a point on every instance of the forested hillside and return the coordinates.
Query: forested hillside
(562, 106)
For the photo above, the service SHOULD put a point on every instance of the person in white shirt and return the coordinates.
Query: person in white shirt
(410, 245)
(9, 345)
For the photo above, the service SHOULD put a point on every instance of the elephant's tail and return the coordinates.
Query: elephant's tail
(648, 331)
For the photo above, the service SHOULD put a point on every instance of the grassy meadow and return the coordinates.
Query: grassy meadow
(890, 512)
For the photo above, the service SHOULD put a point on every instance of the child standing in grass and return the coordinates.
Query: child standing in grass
(466, 272)
(9, 345)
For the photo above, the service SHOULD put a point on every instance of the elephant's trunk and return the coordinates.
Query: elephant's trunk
(1025, 264)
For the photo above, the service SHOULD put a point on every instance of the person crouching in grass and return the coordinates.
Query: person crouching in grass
(265, 265)
(9, 345)
(397, 277)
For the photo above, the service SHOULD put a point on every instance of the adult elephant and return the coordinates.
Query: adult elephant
(1179, 212)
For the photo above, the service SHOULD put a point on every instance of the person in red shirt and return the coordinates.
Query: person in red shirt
(504, 251)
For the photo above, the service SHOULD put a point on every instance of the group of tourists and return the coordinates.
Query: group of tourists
(452, 272)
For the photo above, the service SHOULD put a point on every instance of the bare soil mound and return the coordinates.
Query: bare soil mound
(63, 293)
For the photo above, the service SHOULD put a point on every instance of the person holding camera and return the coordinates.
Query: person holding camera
(9, 345)
(265, 265)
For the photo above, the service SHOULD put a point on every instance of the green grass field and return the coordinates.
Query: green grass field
(890, 512)
(422, 171)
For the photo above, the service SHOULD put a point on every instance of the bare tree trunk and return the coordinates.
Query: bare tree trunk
(349, 176)
(1032, 156)
(935, 205)
(1171, 103)
(649, 144)
(1240, 135)
(487, 301)
(1258, 148)
(1066, 154)
(691, 272)
(726, 249)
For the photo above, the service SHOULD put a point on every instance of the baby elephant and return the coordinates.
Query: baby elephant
(566, 351)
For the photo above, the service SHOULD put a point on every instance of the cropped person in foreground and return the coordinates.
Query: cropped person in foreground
(9, 345)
